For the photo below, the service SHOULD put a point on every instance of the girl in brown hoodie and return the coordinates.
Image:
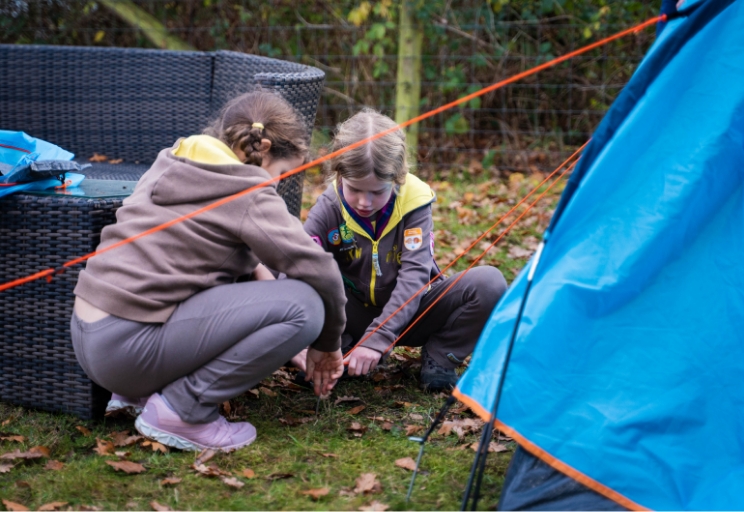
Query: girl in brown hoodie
(162, 322)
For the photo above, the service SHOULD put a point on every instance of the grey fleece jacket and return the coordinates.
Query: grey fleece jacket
(404, 252)
(145, 280)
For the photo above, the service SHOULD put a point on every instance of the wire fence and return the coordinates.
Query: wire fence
(527, 126)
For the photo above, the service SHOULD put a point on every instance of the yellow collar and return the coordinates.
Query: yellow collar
(413, 194)
(205, 150)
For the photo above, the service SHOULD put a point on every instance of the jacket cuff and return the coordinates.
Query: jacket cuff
(378, 341)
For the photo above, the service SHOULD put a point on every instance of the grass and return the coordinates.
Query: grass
(291, 439)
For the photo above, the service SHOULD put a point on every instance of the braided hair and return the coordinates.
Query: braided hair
(249, 119)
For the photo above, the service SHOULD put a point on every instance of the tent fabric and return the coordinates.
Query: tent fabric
(626, 368)
(19, 150)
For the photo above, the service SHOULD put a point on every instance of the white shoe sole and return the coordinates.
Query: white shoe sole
(116, 407)
(178, 442)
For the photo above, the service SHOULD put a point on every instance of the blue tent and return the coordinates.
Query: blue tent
(627, 368)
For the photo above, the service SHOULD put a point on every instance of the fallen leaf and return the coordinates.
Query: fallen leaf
(343, 399)
(104, 447)
(493, 447)
(211, 470)
(5, 467)
(413, 429)
(156, 447)
(249, 473)
(10, 505)
(6, 422)
(23, 483)
(386, 425)
(406, 463)
(316, 494)
(123, 439)
(516, 252)
(232, 482)
(375, 506)
(55, 505)
(253, 392)
(417, 417)
(98, 158)
(127, 466)
(122, 455)
(331, 455)
(356, 428)
(14, 438)
(404, 404)
(171, 480)
(367, 483)
(159, 506)
(116, 161)
(226, 407)
(83, 430)
(36, 452)
(279, 476)
(358, 409)
(267, 392)
(54, 465)
(291, 421)
(204, 455)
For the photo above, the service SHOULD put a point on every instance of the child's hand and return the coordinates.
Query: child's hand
(363, 360)
(262, 273)
(299, 360)
(324, 369)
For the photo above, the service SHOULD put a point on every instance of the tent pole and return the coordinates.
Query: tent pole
(422, 440)
(479, 464)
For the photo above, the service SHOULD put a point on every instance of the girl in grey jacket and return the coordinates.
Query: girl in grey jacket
(375, 218)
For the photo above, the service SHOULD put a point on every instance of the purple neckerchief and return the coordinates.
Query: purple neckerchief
(383, 216)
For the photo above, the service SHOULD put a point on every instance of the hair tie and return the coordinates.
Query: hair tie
(257, 125)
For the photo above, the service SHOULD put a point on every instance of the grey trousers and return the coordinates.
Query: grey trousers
(450, 330)
(217, 344)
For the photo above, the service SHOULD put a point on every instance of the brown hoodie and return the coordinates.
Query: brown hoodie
(145, 280)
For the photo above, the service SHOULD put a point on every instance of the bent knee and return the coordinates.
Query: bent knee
(487, 284)
(309, 306)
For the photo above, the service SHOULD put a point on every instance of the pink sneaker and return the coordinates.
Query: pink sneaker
(161, 423)
(119, 405)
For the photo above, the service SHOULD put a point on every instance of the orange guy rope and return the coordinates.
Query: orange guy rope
(50, 272)
(485, 233)
(502, 235)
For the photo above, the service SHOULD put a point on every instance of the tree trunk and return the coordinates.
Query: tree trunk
(408, 87)
(150, 27)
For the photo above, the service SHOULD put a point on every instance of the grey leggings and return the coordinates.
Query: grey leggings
(217, 344)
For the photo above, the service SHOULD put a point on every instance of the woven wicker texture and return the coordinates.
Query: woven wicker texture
(37, 364)
(130, 103)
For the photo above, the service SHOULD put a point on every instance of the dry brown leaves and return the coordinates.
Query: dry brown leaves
(343, 399)
(375, 506)
(55, 505)
(54, 465)
(116, 161)
(211, 471)
(171, 480)
(127, 466)
(493, 447)
(123, 439)
(11, 505)
(83, 430)
(316, 494)
(248, 473)
(12, 438)
(280, 476)
(5, 467)
(232, 482)
(36, 452)
(413, 429)
(330, 455)
(386, 425)
(367, 483)
(104, 447)
(98, 158)
(267, 392)
(406, 463)
(204, 455)
(159, 506)
(460, 427)
(156, 447)
(291, 421)
(357, 410)
(357, 429)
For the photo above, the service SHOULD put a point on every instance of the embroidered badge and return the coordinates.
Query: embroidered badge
(412, 238)
(346, 234)
(317, 240)
(333, 237)
(431, 235)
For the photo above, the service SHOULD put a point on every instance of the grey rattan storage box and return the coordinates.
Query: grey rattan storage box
(38, 231)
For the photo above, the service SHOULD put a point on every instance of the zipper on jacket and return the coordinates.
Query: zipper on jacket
(376, 271)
